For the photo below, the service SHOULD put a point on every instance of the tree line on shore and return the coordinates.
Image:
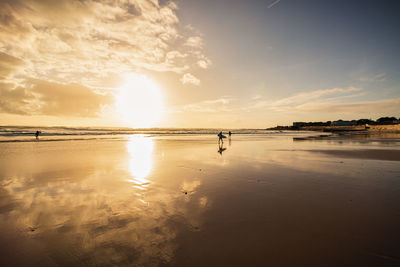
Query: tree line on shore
(360, 122)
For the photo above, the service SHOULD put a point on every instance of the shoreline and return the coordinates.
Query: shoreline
(359, 128)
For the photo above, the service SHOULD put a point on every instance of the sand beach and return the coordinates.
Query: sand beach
(177, 200)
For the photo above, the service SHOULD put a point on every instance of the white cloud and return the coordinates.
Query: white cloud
(49, 98)
(190, 79)
(380, 77)
(209, 106)
(328, 101)
(204, 63)
(84, 42)
(384, 107)
(274, 3)
(194, 41)
(76, 39)
(175, 54)
(318, 96)
(291, 102)
(9, 65)
(313, 96)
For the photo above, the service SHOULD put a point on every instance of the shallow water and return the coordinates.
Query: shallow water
(181, 200)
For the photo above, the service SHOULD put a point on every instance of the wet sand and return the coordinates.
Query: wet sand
(181, 201)
(378, 154)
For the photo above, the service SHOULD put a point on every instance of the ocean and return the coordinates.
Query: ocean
(27, 133)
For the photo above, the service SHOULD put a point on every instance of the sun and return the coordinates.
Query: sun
(139, 101)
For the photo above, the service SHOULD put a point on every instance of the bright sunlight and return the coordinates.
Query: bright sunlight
(140, 101)
(141, 159)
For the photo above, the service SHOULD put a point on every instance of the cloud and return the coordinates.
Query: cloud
(386, 106)
(188, 78)
(289, 103)
(54, 54)
(70, 206)
(380, 77)
(274, 3)
(328, 101)
(194, 41)
(15, 100)
(204, 63)
(175, 54)
(65, 39)
(313, 95)
(209, 106)
(49, 98)
(8, 64)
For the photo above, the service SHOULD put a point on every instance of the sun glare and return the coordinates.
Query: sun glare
(141, 159)
(139, 101)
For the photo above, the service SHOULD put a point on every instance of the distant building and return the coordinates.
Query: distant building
(343, 123)
(380, 121)
(299, 124)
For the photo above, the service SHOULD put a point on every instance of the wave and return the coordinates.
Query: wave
(27, 133)
(54, 131)
(50, 140)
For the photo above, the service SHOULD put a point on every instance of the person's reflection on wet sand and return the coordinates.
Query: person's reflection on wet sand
(221, 148)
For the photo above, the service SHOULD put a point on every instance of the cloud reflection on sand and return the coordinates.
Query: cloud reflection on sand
(97, 217)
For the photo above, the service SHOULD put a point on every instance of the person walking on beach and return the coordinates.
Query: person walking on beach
(220, 136)
(229, 133)
(37, 135)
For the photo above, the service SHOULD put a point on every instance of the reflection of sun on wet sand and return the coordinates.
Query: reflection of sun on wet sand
(175, 201)
(140, 150)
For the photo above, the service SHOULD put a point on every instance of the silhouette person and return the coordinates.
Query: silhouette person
(229, 133)
(220, 137)
(37, 135)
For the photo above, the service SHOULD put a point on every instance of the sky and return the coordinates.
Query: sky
(191, 63)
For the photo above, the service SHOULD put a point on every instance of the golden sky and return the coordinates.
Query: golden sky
(149, 63)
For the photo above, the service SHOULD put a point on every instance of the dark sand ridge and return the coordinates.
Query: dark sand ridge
(375, 154)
